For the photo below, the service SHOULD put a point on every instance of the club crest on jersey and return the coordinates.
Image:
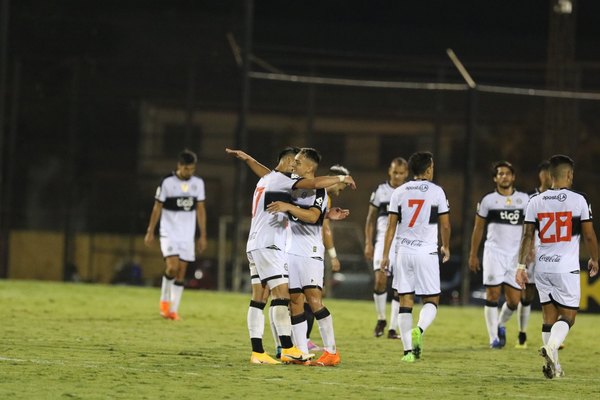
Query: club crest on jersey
(185, 187)
(508, 201)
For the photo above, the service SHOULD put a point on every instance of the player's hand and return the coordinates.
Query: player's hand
(149, 238)
(337, 214)
(278, 206)
(445, 253)
(349, 181)
(474, 263)
(593, 267)
(521, 278)
(201, 245)
(335, 265)
(369, 252)
(384, 265)
(238, 154)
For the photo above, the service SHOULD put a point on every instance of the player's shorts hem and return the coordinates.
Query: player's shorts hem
(274, 277)
(556, 303)
(312, 287)
(512, 286)
(428, 295)
(495, 285)
(405, 293)
(295, 290)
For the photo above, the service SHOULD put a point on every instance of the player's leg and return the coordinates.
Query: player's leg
(493, 276)
(171, 257)
(379, 290)
(310, 321)
(298, 318)
(428, 287)
(394, 331)
(512, 295)
(563, 290)
(523, 313)
(405, 285)
(177, 290)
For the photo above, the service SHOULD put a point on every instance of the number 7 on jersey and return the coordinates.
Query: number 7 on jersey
(419, 204)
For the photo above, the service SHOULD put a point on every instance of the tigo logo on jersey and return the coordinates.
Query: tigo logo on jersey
(185, 202)
(512, 217)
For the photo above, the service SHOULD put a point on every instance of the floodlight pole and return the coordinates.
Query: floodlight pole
(241, 141)
(469, 173)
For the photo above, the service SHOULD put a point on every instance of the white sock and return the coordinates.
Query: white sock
(491, 321)
(523, 312)
(273, 329)
(299, 336)
(165, 288)
(426, 316)
(394, 315)
(545, 337)
(380, 300)
(326, 330)
(176, 293)
(405, 322)
(505, 315)
(558, 334)
(281, 318)
(256, 322)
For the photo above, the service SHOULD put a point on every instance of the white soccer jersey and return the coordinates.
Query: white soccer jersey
(504, 216)
(418, 205)
(267, 229)
(307, 239)
(179, 198)
(558, 214)
(380, 198)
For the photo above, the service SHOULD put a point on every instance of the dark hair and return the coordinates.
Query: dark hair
(543, 166)
(187, 157)
(499, 164)
(559, 160)
(311, 154)
(287, 151)
(419, 162)
(399, 161)
(338, 169)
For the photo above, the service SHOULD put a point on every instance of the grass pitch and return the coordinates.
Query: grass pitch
(97, 342)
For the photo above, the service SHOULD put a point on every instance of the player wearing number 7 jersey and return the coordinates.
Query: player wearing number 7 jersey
(415, 211)
(562, 216)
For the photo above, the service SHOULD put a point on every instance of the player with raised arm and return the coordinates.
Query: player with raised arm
(562, 217)
(416, 210)
(375, 226)
(179, 204)
(266, 249)
(502, 211)
(305, 258)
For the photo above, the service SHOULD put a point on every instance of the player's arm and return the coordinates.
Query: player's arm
(330, 246)
(201, 218)
(387, 243)
(476, 237)
(154, 216)
(370, 226)
(310, 215)
(591, 243)
(524, 249)
(445, 230)
(256, 167)
(321, 182)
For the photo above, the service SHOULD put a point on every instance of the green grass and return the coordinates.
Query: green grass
(78, 341)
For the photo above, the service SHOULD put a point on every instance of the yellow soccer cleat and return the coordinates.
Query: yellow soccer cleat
(295, 356)
(262, 358)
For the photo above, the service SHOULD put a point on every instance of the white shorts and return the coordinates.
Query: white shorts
(418, 274)
(185, 250)
(305, 272)
(271, 266)
(499, 268)
(254, 279)
(378, 255)
(563, 289)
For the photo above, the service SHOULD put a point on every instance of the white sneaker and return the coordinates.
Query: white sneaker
(549, 368)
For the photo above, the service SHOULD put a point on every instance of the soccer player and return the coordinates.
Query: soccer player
(416, 210)
(562, 217)
(528, 295)
(375, 226)
(502, 211)
(305, 258)
(334, 190)
(266, 250)
(179, 203)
